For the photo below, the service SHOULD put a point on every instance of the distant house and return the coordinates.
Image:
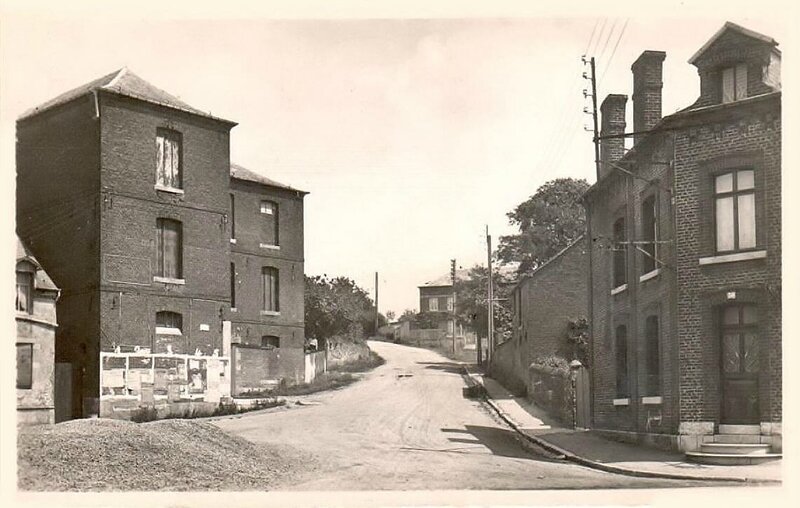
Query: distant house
(686, 255)
(36, 297)
(545, 302)
(437, 296)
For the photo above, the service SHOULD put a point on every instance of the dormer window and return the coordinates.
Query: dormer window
(734, 83)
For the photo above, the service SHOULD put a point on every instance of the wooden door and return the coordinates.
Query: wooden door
(739, 364)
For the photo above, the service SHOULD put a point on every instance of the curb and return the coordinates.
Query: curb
(572, 457)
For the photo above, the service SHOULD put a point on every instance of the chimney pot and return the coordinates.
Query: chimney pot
(647, 83)
(612, 122)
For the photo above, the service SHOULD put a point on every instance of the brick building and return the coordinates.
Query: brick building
(36, 297)
(686, 253)
(437, 296)
(266, 266)
(124, 194)
(544, 303)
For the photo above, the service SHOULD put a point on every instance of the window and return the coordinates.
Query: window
(735, 210)
(450, 303)
(622, 361)
(652, 363)
(24, 292)
(169, 323)
(620, 249)
(170, 249)
(233, 285)
(24, 366)
(433, 304)
(649, 235)
(169, 159)
(270, 209)
(270, 342)
(271, 287)
(734, 83)
(233, 218)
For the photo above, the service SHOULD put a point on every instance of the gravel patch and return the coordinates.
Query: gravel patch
(175, 455)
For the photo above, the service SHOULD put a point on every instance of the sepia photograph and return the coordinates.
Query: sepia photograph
(396, 255)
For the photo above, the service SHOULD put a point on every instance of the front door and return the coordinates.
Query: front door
(739, 364)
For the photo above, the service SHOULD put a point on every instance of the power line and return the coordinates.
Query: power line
(614, 51)
(608, 38)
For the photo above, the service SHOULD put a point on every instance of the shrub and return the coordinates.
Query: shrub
(144, 414)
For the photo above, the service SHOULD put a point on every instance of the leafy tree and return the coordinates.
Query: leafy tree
(407, 315)
(471, 298)
(337, 307)
(548, 222)
(429, 319)
(390, 315)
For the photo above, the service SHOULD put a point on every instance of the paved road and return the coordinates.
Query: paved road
(407, 426)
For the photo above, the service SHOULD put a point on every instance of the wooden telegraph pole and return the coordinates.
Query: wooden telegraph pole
(376, 303)
(489, 302)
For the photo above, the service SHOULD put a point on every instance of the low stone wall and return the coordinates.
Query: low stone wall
(552, 390)
(341, 352)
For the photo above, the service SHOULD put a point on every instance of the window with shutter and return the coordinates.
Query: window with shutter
(270, 289)
(271, 226)
(169, 245)
(622, 361)
(169, 155)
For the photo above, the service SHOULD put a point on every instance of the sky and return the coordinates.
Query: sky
(412, 134)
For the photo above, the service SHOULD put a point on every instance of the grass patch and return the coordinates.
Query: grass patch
(149, 414)
(327, 381)
(361, 364)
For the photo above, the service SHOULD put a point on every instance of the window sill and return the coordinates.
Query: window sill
(233, 241)
(163, 330)
(268, 246)
(234, 309)
(270, 313)
(651, 400)
(169, 280)
(652, 274)
(730, 258)
(171, 190)
(619, 289)
(622, 402)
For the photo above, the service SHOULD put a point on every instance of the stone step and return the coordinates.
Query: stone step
(725, 459)
(737, 438)
(726, 428)
(735, 448)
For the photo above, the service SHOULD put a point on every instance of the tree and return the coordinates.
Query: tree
(390, 315)
(337, 308)
(548, 222)
(471, 297)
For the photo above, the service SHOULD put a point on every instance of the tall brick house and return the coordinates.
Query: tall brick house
(685, 260)
(266, 267)
(124, 194)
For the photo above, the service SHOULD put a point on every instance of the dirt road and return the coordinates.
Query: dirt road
(407, 426)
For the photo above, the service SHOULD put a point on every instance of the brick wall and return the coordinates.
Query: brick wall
(58, 219)
(547, 301)
(618, 196)
(248, 323)
(744, 135)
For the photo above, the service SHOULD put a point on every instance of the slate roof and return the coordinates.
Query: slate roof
(242, 173)
(126, 83)
(737, 28)
(43, 281)
(463, 274)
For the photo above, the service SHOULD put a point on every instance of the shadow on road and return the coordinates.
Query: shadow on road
(502, 442)
(451, 367)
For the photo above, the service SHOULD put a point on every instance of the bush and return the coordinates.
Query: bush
(144, 414)
(553, 362)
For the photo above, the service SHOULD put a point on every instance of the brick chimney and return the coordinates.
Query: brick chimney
(647, 72)
(612, 121)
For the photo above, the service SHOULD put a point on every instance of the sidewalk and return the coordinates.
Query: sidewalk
(589, 449)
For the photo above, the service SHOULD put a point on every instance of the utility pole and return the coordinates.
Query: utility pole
(489, 302)
(453, 310)
(376, 303)
(596, 137)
